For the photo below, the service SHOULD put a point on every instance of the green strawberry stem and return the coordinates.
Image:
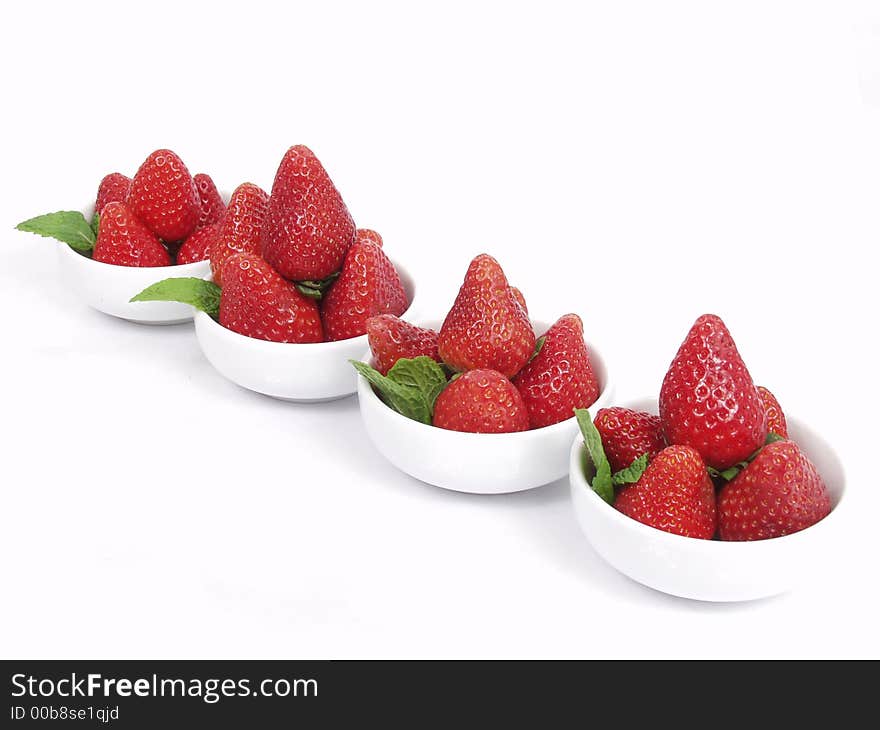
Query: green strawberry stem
(539, 343)
(731, 472)
(411, 386)
(602, 482)
(67, 226)
(315, 289)
(199, 293)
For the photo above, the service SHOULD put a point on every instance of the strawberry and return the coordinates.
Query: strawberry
(369, 235)
(198, 244)
(708, 400)
(481, 401)
(368, 285)
(124, 240)
(627, 434)
(775, 417)
(113, 189)
(255, 301)
(778, 493)
(518, 295)
(308, 229)
(674, 494)
(164, 196)
(211, 205)
(560, 377)
(240, 226)
(486, 327)
(391, 339)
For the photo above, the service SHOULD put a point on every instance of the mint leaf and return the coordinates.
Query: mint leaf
(772, 438)
(201, 294)
(632, 473)
(96, 221)
(67, 226)
(315, 289)
(411, 386)
(602, 484)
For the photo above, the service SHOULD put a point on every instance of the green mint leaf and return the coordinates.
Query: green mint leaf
(96, 221)
(601, 483)
(632, 473)
(411, 386)
(772, 438)
(67, 226)
(315, 289)
(201, 294)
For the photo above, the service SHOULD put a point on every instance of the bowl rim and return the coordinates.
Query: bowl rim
(578, 480)
(365, 390)
(360, 340)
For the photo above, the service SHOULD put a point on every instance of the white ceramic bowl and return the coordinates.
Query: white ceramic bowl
(478, 463)
(708, 570)
(302, 373)
(108, 288)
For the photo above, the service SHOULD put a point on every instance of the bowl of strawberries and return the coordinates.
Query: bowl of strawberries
(482, 401)
(292, 284)
(710, 492)
(154, 225)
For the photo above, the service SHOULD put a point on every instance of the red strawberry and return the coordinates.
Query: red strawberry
(113, 189)
(481, 401)
(391, 339)
(164, 196)
(370, 235)
(124, 241)
(780, 492)
(560, 378)
(240, 226)
(198, 244)
(518, 295)
(775, 417)
(626, 435)
(486, 327)
(211, 205)
(255, 301)
(368, 285)
(708, 400)
(308, 228)
(675, 494)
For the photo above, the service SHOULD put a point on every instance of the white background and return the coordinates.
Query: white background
(639, 164)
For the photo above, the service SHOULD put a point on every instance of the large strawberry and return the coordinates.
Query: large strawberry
(560, 377)
(124, 240)
(368, 285)
(113, 189)
(391, 339)
(164, 196)
(211, 205)
(627, 435)
(775, 417)
(708, 400)
(674, 494)
(308, 229)
(778, 493)
(197, 246)
(255, 301)
(487, 327)
(240, 227)
(481, 401)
